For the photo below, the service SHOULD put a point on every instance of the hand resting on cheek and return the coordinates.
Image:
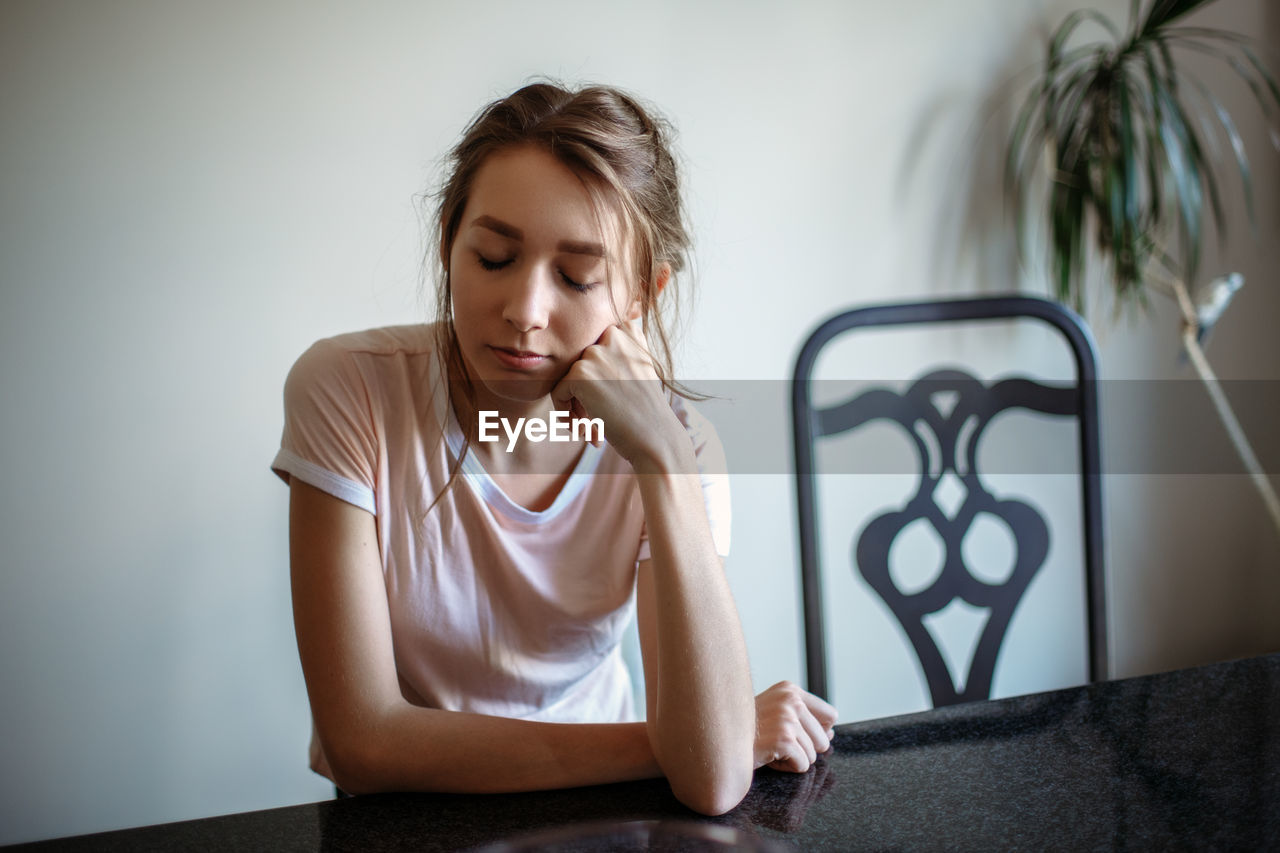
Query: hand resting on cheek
(615, 380)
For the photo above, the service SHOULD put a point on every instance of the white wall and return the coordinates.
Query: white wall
(192, 193)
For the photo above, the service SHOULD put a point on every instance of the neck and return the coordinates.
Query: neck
(509, 450)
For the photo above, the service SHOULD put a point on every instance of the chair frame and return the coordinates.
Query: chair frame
(807, 429)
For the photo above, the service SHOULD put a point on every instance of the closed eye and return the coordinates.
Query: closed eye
(491, 265)
(576, 285)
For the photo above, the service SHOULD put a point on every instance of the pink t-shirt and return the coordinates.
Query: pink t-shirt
(494, 608)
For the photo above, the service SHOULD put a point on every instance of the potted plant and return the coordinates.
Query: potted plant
(1131, 140)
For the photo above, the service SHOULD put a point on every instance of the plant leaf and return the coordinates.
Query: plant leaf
(1068, 26)
(1259, 80)
(1017, 160)
(1127, 180)
(1237, 148)
(1263, 72)
(1185, 174)
(1155, 147)
(1067, 206)
(1164, 11)
(1203, 166)
(1193, 161)
(1133, 145)
(1127, 153)
(1076, 116)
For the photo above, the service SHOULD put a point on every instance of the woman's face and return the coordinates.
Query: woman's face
(529, 272)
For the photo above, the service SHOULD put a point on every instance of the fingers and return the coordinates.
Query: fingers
(631, 331)
(794, 761)
(635, 328)
(815, 732)
(562, 397)
(794, 753)
(794, 727)
(815, 706)
(621, 352)
(822, 711)
(561, 393)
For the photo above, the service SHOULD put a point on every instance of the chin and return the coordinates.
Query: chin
(519, 390)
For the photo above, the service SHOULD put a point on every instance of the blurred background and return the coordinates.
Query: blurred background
(194, 192)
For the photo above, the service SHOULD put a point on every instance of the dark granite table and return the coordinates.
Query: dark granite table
(1181, 760)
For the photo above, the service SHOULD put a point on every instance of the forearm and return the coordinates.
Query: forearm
(702, 714)
(407, 748)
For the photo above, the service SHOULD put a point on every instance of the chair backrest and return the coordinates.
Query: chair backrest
(957, 431)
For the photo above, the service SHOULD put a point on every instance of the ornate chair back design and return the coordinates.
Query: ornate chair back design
(945, 414)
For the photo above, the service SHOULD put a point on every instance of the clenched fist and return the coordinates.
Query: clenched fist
(793, 727)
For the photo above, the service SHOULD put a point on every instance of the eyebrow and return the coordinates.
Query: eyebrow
(506, 229)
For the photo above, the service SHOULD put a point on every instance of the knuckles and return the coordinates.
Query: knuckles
(788, 689)
(786, 719)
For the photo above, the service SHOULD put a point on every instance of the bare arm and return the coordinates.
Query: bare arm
(373, 739)
(701, 716)
(376, 741)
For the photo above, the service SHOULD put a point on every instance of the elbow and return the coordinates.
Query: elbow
(715, 773)
(355, 767)
(714, 799)
(716, 793)
(353, 781)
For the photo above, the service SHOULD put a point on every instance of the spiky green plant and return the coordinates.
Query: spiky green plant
(1133, 144)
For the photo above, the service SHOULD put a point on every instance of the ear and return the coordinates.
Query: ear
(636, 309)
(444, 255)
(664, 275)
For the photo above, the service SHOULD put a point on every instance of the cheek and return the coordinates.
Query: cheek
(464, 296)
(588, 322)
(622, 298)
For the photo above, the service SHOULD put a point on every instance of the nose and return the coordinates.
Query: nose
(527, 303)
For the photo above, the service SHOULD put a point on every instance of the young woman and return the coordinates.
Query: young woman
(459, 601)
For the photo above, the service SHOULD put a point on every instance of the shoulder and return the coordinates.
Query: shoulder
(410, 340)
(346, 358)
(349, 400)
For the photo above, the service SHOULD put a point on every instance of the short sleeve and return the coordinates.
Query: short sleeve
(712, 469)
(329, 438)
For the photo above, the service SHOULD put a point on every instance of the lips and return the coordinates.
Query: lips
(518, 359)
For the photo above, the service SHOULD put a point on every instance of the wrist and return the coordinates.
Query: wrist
(667, 451)
(667, 458)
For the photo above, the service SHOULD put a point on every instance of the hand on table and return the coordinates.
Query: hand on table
(793, 727)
